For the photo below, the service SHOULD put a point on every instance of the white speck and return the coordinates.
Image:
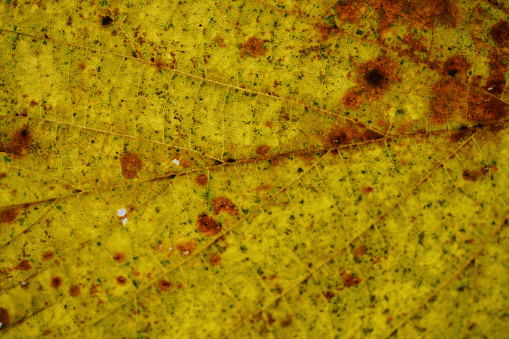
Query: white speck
(176, 162)
(124, 221)
(23, 283)
(121, 212)
(1, 325)
(185, 252)
(171, 248)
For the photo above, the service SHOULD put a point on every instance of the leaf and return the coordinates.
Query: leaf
(264, 169)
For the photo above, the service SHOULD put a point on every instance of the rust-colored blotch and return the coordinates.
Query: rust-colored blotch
(56, 282)
(121, 280)
(4, 317)
(262, 150)
(74, 290)
(202, 179)
(215, 259)
(207, 225)
(9, 215)
(360, 250)
(131, 165)
(500, 33)
(20, 143)
(253, 47)
(328, 295)
(24, 265)
(119, 257)
(164, 285)
(221, 204)
(350, 280)
(48, 255)
(187, 247)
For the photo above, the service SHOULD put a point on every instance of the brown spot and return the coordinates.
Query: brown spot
(131, 165)
(56, 282)
(473, 175)
(4, 317)
(253, 47)
(215, 259)
(47, 255)
(485, 109)
(286, 322)
(220, 41)
(350, 280)
(121, 280)
(33, 103)
(119, 257)
(500, 33)
(461, 134)
(262, 150)
(47, 332)
(224, 204)
(3, 175)
(496, 83)
(207, 225)
(347, 134)
(359, 251)
(74, 290)
(160, 64)
(23, 266)
(328, 294)
(164, 285)
(82, 66)
(202, 179)
(187, 247)
(20, 143)
(367, 189)
(9, 215)
(326, 31)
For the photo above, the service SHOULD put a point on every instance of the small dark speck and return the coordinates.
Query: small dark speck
(106, 21)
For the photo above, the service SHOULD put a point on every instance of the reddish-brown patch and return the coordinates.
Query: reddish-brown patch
(9, 215)
(500, 33)
(262, 150)
(215, 259)
(131, 165)
(48, 255)
(24, 265)
(328, 294)
(473, 175)
(3, 175)
(286, 322)
(461, 134)
(202, 179)
(207, 225)
(359, 251)
(375, 77)
(220, 41)
(367, 189)
(56, 282)
(47, 332)
(74, 290)
(82, 66)
(159, 64)
(221, 204)
(347, 134)
(187, 247)
(4, 317)
(485, 109)
(33, 103)
(450, 92)
(20, 143)
(253, 47)
(350, 280)
(164, 285)
(326, 31)
(121, 280)
(119, 257)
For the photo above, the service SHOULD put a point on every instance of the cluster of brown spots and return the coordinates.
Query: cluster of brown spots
(164, 285)
(121, 280)
(359, 251)
(24, 265)
(253, 47)
(207, 225)
(376, 76)
(350, 280)
(74, 290)
(48, 255)
(473, 175)
(367, 189)
(343, 135)
(20, 143)
(56, 282)
(187, 246)
(9, 215)
(119, 257)
(131, 164)
(450, 92)
(202, 179)
(500, 33)
(220, 41)
(328, 294)
(485, 109)
(220, 204)
(215, 259)
(262, 150)
(159, 64)
(4, 317)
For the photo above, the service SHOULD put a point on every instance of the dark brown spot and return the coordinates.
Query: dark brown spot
(33, 103)
(207, 225)
(262, 150)
(500, 33)
(4, 317)
(56, 282)
(164, 285)
(106, 20)
(47, 332)
(328, 295)
(470, 175)
(119, 257)
(375, 78)
(215, 259)
(3, 175)
(121, 280)
(286, 322)
(131, 165)
(253, 47)
(20, 143)
(221, 204)
(343, 135)
(485, 109)
(202, 179)
(350, 280)
(24, 266)
(74, 290)
(359, 251)
(461, 134)
(9, 215)
(47, 255)
(187, 247)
